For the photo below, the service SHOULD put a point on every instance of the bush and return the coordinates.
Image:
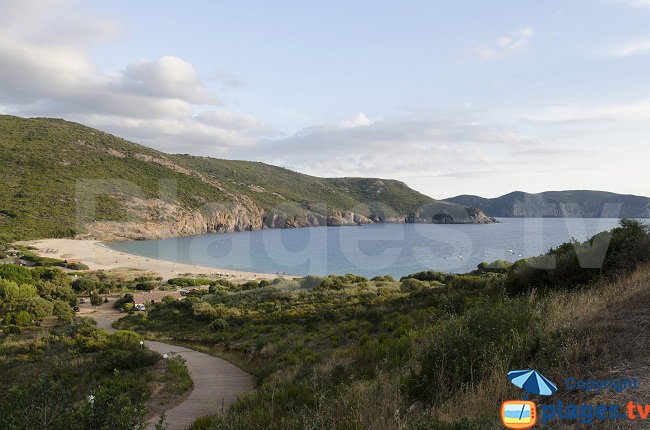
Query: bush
(205, 311)
(21, 318)
(498, 266)
(62, 311)
(460, 350)
(13, 295)
(15, 273)
(412, 285)
(123, 302)
(120, 359)
(124, 339)
(219, 324)
(385, 278)
(38, 307)
(95, 299)
(189, 282)
(310, 281)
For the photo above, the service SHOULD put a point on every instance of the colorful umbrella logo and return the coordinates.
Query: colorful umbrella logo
(532, 382)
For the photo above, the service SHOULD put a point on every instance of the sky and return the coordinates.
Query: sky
(464, 97)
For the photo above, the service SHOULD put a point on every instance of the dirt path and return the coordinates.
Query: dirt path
(217, 383)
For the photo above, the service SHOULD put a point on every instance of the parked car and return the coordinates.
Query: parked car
(139, 307)
(76, 309)
(82, 300)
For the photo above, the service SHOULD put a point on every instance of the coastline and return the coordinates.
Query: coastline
(98, 256)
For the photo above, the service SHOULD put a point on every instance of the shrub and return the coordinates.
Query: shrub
(121, 359)
(95, 299)
(460, 350)
(205, 311)
(123, 301)
(12, 294)
(15, 273)
(219, 324)
(430, 276)
(189, 282)
(470, 282)
(385, 278)
(38, 307)
(168, 300)
(412, 285)
(124, 339)
(310, 281)
(21, 318)
(62, 311)
(498, 266)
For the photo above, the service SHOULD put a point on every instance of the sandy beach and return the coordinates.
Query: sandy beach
(98, 256)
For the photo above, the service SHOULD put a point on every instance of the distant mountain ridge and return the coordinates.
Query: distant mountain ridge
(560, 204)
(63, 179)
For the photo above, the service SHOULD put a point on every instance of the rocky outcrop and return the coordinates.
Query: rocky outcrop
(156, 219)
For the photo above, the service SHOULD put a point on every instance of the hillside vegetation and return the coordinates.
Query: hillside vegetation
(568, 204)
(61, 372)
(63, 179)
(345, 352)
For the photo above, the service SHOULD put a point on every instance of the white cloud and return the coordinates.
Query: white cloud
(640, 46)
(408, 145)
(508, 45)
(45, 70)
(638, 110)
(359, 120)
(167, 77)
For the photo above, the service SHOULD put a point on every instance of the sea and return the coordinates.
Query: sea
(371, 250)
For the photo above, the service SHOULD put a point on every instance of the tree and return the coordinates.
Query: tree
(62, 311)
(18, 274)
(12, 294)
(38, 307)
(95, 299)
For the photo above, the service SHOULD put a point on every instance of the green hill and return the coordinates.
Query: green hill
(62, 179)
(567, 204)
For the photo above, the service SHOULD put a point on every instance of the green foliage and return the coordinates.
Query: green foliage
(15, 273)
(310, 281)
(576, 264)
(430, 276)
(62, 311)
(95, 299)
(13, 295)
(20, 318)
(189, 282)
(498, 266)
(177, 368)
(38, 307)
(124, 339)
(412, 285)
(459, 351)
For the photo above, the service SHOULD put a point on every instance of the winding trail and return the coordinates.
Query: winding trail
(217, 383)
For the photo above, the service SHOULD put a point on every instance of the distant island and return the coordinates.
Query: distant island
(560, 204)
(63, 179)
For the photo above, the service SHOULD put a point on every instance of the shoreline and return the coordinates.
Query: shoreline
(97, 256)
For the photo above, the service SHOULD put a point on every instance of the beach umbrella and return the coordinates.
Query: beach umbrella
(532, 381)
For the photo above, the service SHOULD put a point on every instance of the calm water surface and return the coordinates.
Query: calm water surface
(371, 250)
